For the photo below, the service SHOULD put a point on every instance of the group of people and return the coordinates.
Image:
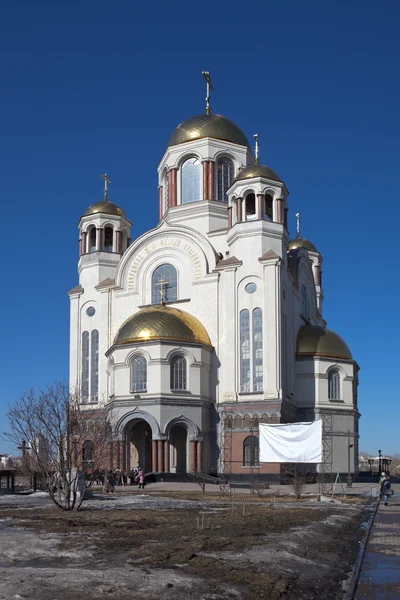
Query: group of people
(114, 478)
(385, 487)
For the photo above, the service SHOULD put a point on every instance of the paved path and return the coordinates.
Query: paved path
(380, 575)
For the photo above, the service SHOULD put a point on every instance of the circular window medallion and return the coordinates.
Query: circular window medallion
(250, 288)
(91, 311)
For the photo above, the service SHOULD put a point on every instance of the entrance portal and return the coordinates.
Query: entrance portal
(140, 446)
(179, 449)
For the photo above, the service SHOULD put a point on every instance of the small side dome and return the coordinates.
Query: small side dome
(106, 207)
(257, 170)
(319, 341)
(162, 323)
(213, 126)
(300, 242)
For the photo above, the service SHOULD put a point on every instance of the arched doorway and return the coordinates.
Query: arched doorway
(178, 442)
(139, 446)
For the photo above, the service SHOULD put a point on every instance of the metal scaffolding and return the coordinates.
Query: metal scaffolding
(226, 452)
(327, 455)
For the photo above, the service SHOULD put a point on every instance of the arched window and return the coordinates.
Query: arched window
(268, 207)
(244, 351)
(139, 374)
(251, 451)
(85, 366)
(108, 239)
(225, 177)
(190, 181)
(88, 451)
(334, 385)
(250, 207)
(94, 378)
(304, 302)
(164, 284)
(92, 240)
(257, 351)
(178, 373)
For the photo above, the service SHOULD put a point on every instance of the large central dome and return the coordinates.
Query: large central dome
(161, 322)
(213, 126)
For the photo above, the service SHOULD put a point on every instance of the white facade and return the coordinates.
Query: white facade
(217, 248)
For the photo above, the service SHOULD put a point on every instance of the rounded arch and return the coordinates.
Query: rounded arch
(123, 422)
(181, 351)
(137, 352)
(191, 427)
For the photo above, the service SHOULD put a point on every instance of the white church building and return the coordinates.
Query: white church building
(210, 323)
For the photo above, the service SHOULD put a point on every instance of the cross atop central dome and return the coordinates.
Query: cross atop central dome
(203, 126)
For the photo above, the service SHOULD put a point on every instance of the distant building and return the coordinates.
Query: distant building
(5, 460)
(210, 323)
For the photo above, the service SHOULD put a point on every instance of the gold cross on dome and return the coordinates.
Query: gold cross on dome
(162, 283)
(298, 224)
(104, 177)
(206, 75)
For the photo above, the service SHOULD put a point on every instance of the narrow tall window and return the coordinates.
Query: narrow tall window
(190, 181)
(251, 351)
(178, 373)
(94, 377)
(250, 204)
(334, 385)
(244, 351)
(108, 239)
(257, 351)
(268, 207)
(225, 177)
(251, 451)
(85, 366)
(304, 302)
(92, 240)
(164, 284)
(139, 374)
(88, 451)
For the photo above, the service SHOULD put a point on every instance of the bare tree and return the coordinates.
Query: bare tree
(68, 442)
(297, 475)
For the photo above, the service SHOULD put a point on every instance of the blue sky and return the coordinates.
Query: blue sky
(93, 87)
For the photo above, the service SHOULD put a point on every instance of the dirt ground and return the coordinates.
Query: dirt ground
(155, 550)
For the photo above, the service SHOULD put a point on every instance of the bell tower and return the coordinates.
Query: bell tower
(104, 236)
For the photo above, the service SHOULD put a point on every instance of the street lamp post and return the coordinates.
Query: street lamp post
(380, 462)
(349, 446)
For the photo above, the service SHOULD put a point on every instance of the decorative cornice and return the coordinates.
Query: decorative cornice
(76, 291)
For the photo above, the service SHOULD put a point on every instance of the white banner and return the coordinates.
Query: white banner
(294, 442)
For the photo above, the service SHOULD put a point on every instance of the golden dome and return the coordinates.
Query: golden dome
(300, 242)
(106, 207)
(213, 126)
(257, 170)
(162, 323)
(319, 341)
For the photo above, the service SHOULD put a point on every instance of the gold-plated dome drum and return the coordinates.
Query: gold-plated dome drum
(213, 126)
(162, 323)
(319, 341)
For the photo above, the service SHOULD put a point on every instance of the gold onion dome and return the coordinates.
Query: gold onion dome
(257, 170)
(300, 242)
(203, 126)
(313, 340)
(106, 207)
(162, 323)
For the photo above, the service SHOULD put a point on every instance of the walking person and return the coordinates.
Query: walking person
(386, 488)
(141, 479)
